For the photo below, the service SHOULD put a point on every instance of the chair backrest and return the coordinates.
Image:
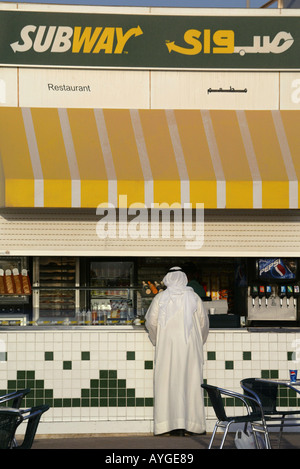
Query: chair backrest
(217, 402)
(267, 393)
(16, 397)
(9, 421)
(34, 416)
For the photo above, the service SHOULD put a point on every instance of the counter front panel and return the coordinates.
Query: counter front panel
(101, 381)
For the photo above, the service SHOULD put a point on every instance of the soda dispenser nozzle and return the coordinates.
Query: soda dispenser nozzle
(261, 294)
(268, 293)
(289, 293)
(282, 293)
(296, 294)
(254, 294)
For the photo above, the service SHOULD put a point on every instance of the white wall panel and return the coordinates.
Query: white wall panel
(290, 90)
(215, 11)
(84, 88)
(8, 87)
(214, 90)
(61, 8)
(144, 90)
(8, 6)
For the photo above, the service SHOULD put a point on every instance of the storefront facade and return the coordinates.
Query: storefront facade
(173, 158)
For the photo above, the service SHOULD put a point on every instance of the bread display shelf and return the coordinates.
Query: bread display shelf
(13, 283)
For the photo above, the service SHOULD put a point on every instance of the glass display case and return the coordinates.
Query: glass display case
(69, 290)
(112, 296)
(15, 290)
(55, 294)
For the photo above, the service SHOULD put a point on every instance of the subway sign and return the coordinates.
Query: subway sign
(81, 40)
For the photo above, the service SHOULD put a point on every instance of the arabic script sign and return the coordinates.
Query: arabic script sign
(149, 41)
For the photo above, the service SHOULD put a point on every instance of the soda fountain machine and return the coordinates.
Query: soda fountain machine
(273, 290)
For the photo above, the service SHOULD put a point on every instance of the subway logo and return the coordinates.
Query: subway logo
(113, 40)
(60, 39)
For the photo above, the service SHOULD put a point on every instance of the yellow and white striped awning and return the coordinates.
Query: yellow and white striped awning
(85, 157)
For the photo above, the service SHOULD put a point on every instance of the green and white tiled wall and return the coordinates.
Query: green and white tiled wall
(235, 355)
(90, 376)
(85, 376)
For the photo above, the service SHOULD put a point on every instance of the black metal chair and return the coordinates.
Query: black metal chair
(33, 417)
(16, 397)
(9, 422)
(256, 421)
(267, 393)
(11, 418)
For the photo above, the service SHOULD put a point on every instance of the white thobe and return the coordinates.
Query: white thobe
(178, 373)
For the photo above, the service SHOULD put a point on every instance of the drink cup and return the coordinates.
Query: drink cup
(212, 310)
(293, 376)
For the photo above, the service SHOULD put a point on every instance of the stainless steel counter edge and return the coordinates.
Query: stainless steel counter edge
(129, 328)
(141, 328)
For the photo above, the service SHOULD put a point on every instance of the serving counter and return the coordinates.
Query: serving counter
(100, 379)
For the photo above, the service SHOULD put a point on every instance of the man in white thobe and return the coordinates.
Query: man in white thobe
(178, 326)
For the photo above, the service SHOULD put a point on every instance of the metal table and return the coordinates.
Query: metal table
(285, 382)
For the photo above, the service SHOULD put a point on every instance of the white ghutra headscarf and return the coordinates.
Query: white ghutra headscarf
(177, 295)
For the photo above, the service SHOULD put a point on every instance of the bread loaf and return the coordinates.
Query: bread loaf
(25, 282)
(17, 282)
(2, 288)
(8, 280)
